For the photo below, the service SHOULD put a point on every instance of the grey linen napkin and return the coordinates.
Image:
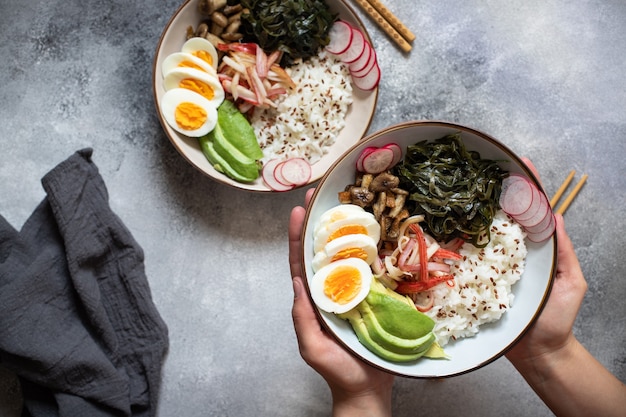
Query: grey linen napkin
(77, 321)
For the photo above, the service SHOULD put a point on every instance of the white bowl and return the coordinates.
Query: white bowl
(358, 118)
(531, 291)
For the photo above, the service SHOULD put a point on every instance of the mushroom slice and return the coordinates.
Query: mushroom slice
(384, 182)
(361, 196)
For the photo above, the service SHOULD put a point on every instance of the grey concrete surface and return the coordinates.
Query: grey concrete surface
(544, 76)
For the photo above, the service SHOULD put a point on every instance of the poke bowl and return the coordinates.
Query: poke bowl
(345, 126)
(477, 303)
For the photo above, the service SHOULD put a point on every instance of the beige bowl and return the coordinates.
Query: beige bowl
(358, 118)
(531, 291)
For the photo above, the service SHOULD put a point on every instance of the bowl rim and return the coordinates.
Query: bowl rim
(219, 178)
(373, 136)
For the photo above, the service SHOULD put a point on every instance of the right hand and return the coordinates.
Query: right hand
(553, 329)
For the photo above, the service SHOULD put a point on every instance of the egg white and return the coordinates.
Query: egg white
(174, 97)
(175, 76)
(359, 242)
(364, 220)
(185, 60)
(336, 213)
(317, 283)
(193, 45)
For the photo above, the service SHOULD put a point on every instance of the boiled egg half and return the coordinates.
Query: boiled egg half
(349, 246)
(197, 81)
(185, 60)
(363, 223)
(201, 48)
(188, 112)
(339, 286)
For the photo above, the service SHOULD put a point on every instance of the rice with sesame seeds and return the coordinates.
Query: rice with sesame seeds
(483, 283)
(306, 122)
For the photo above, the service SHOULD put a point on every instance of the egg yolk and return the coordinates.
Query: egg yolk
(199, 87)
(343, 284)
(353, 229)
(190, 116)
(189, 64)
(350, 253)
(205, 56)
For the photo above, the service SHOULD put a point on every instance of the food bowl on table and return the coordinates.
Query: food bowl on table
(529, 292)
(357, 119)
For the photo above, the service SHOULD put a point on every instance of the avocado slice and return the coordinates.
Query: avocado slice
(208, 149)
(243, 165)
(356, 320)
(390, 341)
(237, 130)
(397, 317)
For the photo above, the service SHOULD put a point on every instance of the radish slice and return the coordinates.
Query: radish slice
(370, 80)
(340, 37)
(538, 217)
(535, 209)
(516, 196)
(541, 224)
(364, 153)
(356, 48)
(363, 60)
(363, 72)
(397, 152)
(545, 233)
(296, 171)
(378, 161)
(270, 179)
(279, 175)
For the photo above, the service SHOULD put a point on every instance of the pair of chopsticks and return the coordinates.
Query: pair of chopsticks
(389, 23)
(570, 196)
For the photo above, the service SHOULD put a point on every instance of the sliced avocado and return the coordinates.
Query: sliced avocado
(435, 351)
(355, 319)
(238, 131)
(390, 341)
(244, 166)
(218, 162)
(398, 318)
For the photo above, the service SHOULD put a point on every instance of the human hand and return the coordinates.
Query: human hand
(357, 388)
(553, 329)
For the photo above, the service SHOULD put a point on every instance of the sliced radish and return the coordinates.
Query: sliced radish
(363, 60)
(270, 179)
(278, 174)
(356, 48)
(528, 205)
(296, 171)
(370, 80)
(539, 215)
(397, 152)
(541, 224)
(368, 67)
(340, 37)
(545, 233)
(364, 153)
(378, 161)
(516, 196)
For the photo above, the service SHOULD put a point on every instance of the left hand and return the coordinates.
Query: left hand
(356, 386)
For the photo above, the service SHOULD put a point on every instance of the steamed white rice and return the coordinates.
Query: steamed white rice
(307, 121)
(483, 283)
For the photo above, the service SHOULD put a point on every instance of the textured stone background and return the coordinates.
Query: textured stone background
(545, 77)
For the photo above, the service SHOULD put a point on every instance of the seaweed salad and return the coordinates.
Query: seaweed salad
(455, 190)
(298, 28)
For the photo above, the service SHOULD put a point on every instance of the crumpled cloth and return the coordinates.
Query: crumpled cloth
(77, 321)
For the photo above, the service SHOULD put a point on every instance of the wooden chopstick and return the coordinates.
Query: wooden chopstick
(562, 189)
(384, 25)
(570, 197)
(393, 20)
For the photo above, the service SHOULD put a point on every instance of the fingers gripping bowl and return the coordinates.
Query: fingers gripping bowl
(529, 290)
(356, 121)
